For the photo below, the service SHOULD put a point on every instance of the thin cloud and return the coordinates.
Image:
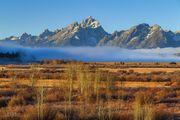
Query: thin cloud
(95, 54)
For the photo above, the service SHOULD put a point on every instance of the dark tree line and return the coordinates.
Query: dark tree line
(12, 55)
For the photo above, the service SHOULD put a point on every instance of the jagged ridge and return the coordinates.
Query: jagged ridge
(90, 33)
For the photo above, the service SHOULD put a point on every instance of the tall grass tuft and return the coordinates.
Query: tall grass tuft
(40, 103)
(81, 76)
(109, 88)
(143, 108)
(33, 78)
(138, 112)
(148, 112)
(121, 96)
(71, 76)
(14, 81)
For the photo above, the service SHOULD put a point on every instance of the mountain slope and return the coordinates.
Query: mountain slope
(142, 36)
(87, 33)
(90, 33)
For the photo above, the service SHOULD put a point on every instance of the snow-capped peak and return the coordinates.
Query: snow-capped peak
(14, 38)
(177, 32)
(90, 22)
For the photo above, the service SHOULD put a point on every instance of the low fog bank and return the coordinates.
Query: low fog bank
(94, 54)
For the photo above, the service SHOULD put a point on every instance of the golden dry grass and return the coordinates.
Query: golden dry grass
(103, 93)
(56, 82)
(143, 70)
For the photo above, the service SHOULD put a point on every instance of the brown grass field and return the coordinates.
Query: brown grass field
(58, 90)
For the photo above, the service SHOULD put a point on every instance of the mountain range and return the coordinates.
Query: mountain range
(90, 33)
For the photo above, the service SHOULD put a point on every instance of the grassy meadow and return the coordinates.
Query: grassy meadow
(71, 90)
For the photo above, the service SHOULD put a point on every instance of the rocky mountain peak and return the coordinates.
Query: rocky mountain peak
(74, 25)
(46, 33)
(24, 36)
(177, 32)
(90, 22)
(156, 27)
(140, 26)
(14, 38)
(143, 25)
(90, 33)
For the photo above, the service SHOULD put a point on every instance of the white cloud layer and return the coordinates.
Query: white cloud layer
(95, 54)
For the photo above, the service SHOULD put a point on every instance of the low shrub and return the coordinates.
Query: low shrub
(28, 94)
(163, 115)
(54, 95)
(3, 102)
(50, 113)
(17, 101)
(7, 93)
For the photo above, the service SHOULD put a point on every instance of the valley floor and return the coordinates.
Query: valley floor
(72, 90)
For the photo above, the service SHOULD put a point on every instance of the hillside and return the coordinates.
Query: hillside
(89, 32)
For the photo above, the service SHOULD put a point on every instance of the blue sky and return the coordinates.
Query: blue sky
(33, 16)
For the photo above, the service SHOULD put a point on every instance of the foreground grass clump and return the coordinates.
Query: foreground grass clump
(143, 107)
